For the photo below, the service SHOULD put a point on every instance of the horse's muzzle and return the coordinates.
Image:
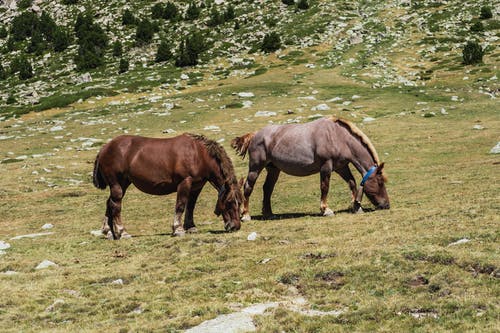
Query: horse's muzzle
(230, 227)
(385, 205)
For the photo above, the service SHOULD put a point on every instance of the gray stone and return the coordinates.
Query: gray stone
(496, 149)
(46, 264)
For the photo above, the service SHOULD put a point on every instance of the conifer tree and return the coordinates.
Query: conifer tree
(163, 53)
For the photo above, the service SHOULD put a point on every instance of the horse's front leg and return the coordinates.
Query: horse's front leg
(183, 190)
(271, 179)
(325, 173)
(188, 217)
(253, 174)
(346, 175)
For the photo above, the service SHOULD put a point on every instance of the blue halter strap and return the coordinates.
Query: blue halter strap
(368, 174)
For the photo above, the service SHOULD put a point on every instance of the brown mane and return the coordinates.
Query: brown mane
(216, 151)
(361, 136)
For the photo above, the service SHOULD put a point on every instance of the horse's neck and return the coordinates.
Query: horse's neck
(361, 157)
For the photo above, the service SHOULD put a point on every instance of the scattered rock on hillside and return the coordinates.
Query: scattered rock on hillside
(46, 264)
(496, 149)
(246, 94)
(252, 236)
(84, 78)
(460, 241)
(320, 107)
(265, 113)
(4, 245)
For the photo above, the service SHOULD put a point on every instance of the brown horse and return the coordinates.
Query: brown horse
(323, 145)
(182, 164)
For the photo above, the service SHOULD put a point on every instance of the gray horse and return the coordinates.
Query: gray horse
(323, 145)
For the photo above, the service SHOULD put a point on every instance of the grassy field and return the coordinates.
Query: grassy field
(388, 271)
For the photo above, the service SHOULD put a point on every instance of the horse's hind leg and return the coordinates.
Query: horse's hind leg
(325, 173)
(271, 179)
(113, 212)
(188, 217)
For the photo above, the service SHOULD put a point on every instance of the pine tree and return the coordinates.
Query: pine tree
(171, 12)
(157, 11)
(61, 39)
(117, 49)
(24, 25)
(288, 2)
(23, 66)
(3, 32)
(3, 73)
(144, 32)
(163, 53)
(303, 4)
(472, 53)
(92, 43)
(486, 13)
(47, 26)
(128, 18)
(271, 42)
(216, 18)
(229, 13)
(189, 50)
(124, 65)
(192, 12)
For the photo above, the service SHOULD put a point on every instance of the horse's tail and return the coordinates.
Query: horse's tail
(240, 144)
(97, 178)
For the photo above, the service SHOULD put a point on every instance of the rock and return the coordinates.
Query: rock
(32, 235)
(478, 127)
(45, 264)
(47, 226)
(368, 119)
(184, 76)
(4, 245)
(84, 78)
(460, 241)
(265, 114)
(320, 107)
(56, 128)
(118, 281)
(443, 111)
(57, 303)
(8, 273)
(97, 233)
(247, 104)
(246, 94)
(168, 131)
(212, 128)
(252, 236)
(496, 149)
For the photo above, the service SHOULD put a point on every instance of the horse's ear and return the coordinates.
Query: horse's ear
(380, 168)
(241, 182)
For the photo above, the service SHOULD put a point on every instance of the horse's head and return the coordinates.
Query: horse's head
(228, 205)
(375, 190)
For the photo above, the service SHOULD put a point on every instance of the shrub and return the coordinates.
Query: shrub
(124, 65)
(288, 2)
(216, 18)
(47, 26)
(157, 11)
(229, 13)
(3, 73)
(3, 32)
(144, 32)
(477, 27)
(171, 12)
(271, 42)
(128, 18)
(22, 65)
(303, 4)
(23, 4)
(69, 2)
(11, 100)
(472, 53)
(192, 12)
(24, 25)
(485, 13)
(163, 53)
(37, 44)
(61, 39)
(117, 49)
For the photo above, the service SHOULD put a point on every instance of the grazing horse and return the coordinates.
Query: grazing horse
(182, 164)
(323, 145)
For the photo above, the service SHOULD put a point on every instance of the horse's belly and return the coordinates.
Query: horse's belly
(297, 169)
(159, 188)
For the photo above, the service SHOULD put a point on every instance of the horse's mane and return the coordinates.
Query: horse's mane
(361, 136)
(216, 151)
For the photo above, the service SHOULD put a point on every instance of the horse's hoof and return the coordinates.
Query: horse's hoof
(179, 233)
(328, 212)
(192, 230)
(359, 210)
(246, 218)
(109, 235)
(125, 235)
